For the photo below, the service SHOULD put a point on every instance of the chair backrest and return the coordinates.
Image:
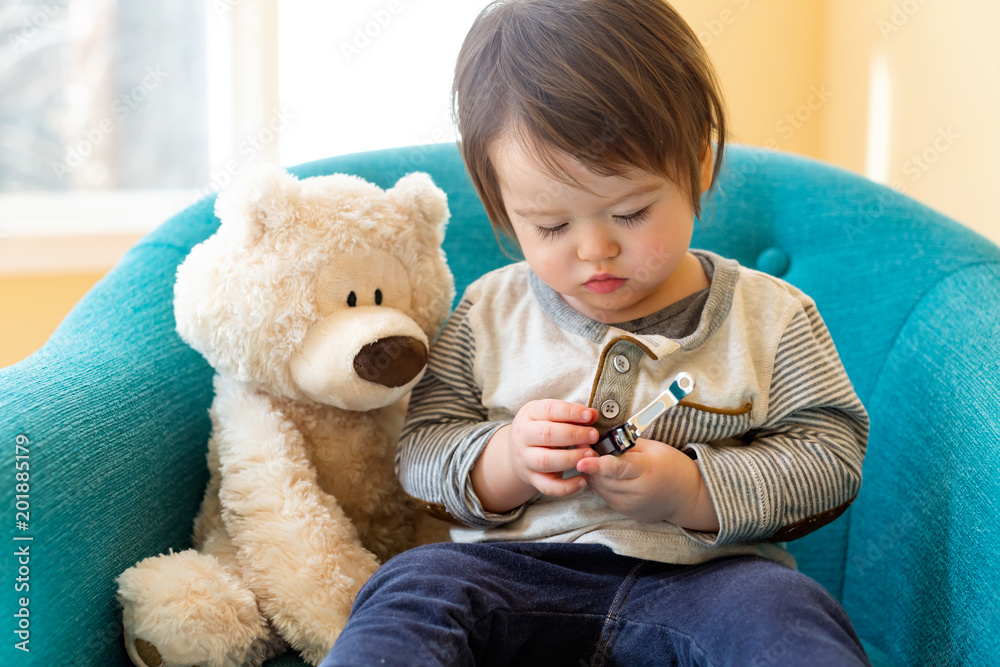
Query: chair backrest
(867, 254)
(910, 298)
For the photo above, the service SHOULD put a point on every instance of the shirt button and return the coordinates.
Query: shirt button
(621, 363)
(610, 409)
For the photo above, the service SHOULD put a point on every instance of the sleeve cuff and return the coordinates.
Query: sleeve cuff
(739, 494)
(460, 499)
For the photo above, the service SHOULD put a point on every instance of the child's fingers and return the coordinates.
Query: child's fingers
(548, 459)
(554, 410)
(605, 467)
(552, 484)
(555, 434)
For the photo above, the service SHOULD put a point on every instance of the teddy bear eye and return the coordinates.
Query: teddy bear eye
(352, 299)
(378, 297)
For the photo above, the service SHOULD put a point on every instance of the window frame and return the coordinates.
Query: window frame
(37, 228)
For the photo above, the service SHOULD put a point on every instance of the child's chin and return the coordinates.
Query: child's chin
(606, 308)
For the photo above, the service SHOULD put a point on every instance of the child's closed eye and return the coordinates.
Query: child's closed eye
(633, 219)
(546, 233)
(630, 220)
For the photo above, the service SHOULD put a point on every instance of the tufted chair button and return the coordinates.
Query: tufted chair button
(773, 261)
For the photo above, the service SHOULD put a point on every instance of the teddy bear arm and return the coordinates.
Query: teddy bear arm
(210, 535)
(301, 557)
(295, 545)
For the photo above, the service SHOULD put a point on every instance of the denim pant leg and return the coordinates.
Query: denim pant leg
(574, 605)
(732, 611)
(483, 604)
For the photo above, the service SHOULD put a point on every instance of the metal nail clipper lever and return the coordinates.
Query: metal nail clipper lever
(622, 438)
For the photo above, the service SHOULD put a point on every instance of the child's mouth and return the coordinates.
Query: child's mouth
(604, 284)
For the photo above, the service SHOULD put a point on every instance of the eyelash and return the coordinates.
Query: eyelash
(629, 221)
(546, 233)
(634, 219)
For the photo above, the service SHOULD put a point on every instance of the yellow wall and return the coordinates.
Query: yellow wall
(927, 128)
(939, 139)
(770, 56)
(32, 306)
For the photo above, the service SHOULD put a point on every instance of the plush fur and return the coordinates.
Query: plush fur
(315, 302)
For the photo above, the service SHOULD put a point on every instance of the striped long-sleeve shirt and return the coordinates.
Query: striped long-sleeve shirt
(773, 422)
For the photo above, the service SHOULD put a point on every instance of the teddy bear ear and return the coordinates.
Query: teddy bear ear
(260, 199)
(417, 193)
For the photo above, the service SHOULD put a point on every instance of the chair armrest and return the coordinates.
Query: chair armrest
(920, 583)
(115, 407)
(115, 411)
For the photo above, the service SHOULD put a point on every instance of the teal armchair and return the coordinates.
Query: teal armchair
(111, 414)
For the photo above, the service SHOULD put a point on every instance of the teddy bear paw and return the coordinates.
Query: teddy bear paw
(184, 609)
(144, 654)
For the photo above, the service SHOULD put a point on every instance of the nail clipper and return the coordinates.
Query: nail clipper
(622, 438)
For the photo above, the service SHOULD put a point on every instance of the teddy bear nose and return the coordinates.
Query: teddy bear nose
(392, 361)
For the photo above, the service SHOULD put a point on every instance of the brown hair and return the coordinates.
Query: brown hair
(614, 84)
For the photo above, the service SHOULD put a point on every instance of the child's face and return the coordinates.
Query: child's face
(615, 253)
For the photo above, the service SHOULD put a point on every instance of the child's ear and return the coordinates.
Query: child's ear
(707, 165)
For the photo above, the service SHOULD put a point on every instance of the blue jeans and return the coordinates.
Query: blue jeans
(576, 604)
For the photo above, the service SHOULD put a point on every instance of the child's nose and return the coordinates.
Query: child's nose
(597, 246)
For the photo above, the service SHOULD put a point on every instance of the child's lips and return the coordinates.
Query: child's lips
(604, 283)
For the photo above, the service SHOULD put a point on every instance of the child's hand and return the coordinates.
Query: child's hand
(652, 482)
(548, 437)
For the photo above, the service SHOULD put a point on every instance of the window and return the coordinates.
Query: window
(369, 74)
(126, 112)
(110, 95)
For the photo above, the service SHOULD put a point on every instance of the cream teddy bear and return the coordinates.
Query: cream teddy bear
(315, 302)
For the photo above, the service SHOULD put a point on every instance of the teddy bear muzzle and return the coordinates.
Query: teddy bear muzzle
(391, 362)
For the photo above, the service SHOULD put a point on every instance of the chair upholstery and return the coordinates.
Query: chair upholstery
(115, 405)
